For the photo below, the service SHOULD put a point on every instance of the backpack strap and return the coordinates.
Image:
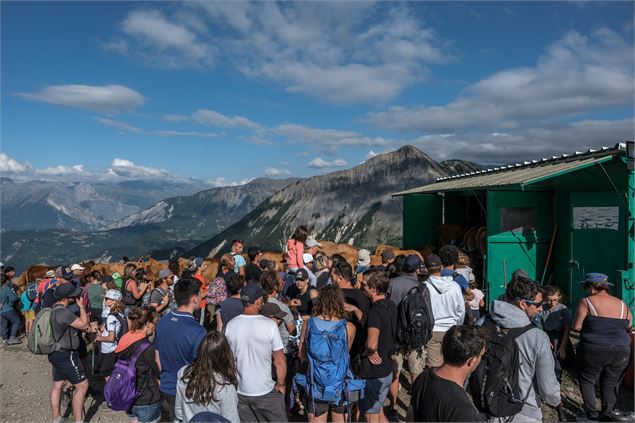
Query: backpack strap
(435, 288)
(122, 323)
(140, 349)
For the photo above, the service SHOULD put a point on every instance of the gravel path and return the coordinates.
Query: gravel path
(25, 386)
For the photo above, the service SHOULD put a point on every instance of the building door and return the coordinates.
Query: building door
(598, 240)
(519, 225)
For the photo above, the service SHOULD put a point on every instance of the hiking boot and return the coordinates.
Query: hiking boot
(617, 416)
(13, 341)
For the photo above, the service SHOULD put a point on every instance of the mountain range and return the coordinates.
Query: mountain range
(350, 206)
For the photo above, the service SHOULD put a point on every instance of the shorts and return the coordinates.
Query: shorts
(107, 364)
(414, 358)
(29, 315)
(147, 413)
(433, 347)
(375, 394)
(67, 366)
(319, 408)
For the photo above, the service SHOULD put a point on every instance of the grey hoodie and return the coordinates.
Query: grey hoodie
(536, 362)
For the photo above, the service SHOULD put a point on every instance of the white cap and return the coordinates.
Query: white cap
(311, 242)
(113, 294)
(76, 267)
(363, 257)
(307, 258)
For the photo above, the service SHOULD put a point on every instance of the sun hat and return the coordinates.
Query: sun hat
(363, 257)
(113, 294)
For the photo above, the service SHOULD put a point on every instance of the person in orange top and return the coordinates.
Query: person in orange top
(200, 265)
(295, 248)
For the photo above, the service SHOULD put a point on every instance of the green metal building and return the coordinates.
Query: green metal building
(581, 205)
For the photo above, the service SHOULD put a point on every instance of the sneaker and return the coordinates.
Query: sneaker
(13, 341)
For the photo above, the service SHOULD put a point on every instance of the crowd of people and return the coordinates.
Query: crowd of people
(319, 338)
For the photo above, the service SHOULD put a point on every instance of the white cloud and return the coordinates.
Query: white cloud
(213, 118)
(327, 139)
(527, 143)
(222, 182)
(117, 124)
(118, 46)
(126, 127)
(104, 99)
(162, 42)
(272, 171)
(576, 74)
(9, 165)
(62, 170)
(319, 163)
(341, 52)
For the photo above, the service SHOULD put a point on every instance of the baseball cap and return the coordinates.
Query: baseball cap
(198, 262)
(164, 273)
(76, 267)
(432, 261)
(113, 294)
(107, 279)
(67, 290)
(251, 292)
(597, 278)
(272, 310)
(307, 258)
(67, 273)
(311, 242)
(387, 254)
(363, 257)
(301, 275)
(50, 274)
(520, 273)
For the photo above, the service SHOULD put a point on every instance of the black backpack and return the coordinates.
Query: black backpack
(123, 326)
(494, 383)
(414, 318)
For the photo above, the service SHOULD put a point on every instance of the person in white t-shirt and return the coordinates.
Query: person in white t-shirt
(114, 327)
(255, 341)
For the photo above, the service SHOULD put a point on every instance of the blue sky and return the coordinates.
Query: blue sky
(226, 92)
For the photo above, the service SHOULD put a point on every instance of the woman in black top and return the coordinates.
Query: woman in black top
(306, 295)
(147, 408)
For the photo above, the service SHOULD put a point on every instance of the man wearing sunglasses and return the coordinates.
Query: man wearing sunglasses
(523, 300)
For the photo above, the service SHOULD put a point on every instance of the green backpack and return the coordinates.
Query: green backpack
(41, 339)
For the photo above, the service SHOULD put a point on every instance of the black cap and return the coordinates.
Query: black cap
(387, 255)
(433, 261)
(251, 292)
(301, 275)
(67, 290)
(107, 279)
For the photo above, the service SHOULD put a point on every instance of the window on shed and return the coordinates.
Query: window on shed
(518, 219)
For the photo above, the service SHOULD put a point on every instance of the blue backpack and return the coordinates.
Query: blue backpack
(329, 375)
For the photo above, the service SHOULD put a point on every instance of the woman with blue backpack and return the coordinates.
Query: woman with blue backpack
(325, 342)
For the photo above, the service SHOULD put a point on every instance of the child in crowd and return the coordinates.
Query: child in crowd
(114, 327)
(477, 301)
(555, 320)
(27, 310)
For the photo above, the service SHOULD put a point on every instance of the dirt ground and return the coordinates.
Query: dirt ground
(25, 381)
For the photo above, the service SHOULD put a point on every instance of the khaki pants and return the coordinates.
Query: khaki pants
(414, 358)
(434, 357)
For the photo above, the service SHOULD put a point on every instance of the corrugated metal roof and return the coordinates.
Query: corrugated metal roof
(520, 173)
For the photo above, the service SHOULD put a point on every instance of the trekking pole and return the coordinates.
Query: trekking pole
(560, 411)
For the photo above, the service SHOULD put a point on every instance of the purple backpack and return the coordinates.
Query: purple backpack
(120, 391)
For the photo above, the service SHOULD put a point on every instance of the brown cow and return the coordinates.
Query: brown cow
(32, 273)
(396, 251)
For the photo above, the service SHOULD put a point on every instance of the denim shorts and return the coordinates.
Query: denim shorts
(148, 413)
(375, 394)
